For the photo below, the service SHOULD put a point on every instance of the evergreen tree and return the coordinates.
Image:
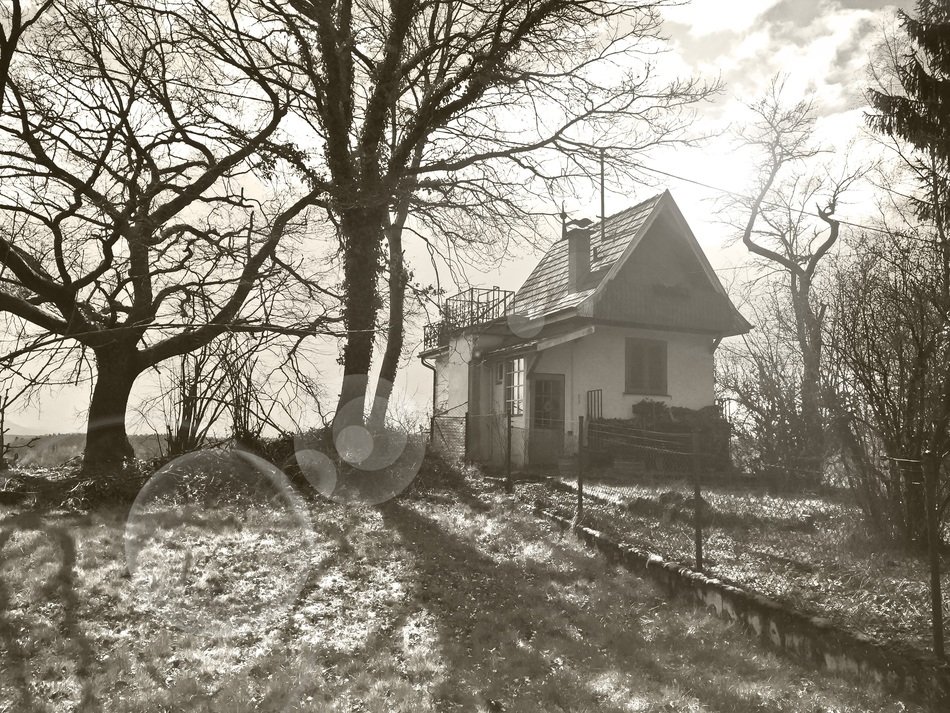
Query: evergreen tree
(920, 114)
(913, 106)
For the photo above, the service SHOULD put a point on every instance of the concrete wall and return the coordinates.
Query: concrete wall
(814, 640)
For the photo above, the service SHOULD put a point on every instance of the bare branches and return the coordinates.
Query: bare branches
(780, 228)
(426, 103)
(13, 25)
(132, 132)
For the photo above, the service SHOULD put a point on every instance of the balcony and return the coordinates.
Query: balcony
(474, 306)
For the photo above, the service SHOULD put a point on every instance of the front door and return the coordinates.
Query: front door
(546, 434)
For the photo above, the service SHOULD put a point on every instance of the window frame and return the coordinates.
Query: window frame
(653, 379)
(514, 386)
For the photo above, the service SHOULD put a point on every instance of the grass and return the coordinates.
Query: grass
(453, 599)
(52, 450)
(810, 552)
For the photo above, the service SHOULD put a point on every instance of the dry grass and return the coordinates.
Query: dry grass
(807, 551)
(452, 600)
(52, 450)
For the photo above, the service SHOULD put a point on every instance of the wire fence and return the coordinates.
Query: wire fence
(674, 494)
(448, 436)
(628, 451)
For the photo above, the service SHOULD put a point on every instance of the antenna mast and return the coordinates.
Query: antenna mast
(603, 213)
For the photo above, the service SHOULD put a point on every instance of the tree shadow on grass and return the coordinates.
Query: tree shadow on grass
(529, 635)
(60, 585)
(513, 618)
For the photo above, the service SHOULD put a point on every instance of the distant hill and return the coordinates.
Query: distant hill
(57, 448)
(15, 429)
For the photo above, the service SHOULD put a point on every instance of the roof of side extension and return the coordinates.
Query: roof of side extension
(545, 292)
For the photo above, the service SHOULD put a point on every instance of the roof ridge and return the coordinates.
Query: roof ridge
(655, 197)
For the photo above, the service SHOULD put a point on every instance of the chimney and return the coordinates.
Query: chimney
(578, 257)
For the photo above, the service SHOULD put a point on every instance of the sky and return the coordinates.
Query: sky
(821, 46)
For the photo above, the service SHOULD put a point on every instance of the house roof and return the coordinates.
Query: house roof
(545, 292)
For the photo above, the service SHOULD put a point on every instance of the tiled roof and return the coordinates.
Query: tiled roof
(545, 290)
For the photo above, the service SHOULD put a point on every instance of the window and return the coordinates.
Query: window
(646, 366)
(514, 386)
(547, 403)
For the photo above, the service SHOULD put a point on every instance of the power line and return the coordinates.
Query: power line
(736, 194)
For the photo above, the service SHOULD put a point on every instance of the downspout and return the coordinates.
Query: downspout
(429, 366)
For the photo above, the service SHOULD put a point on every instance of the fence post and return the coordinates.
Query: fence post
(466, 441)
(508, 486)
(931, 467)
(579, 508)
(697, 503)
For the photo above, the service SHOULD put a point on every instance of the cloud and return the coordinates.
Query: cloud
(708, 17)
(821, 45)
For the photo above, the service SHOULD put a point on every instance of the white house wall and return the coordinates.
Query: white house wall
(598, 361)
(441, 387)
(451, 383)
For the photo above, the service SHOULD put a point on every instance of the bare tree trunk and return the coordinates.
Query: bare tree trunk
(362, 233)
(810, 343)
(916, 511)
(395, 333)
(107, 443)
(4, 402)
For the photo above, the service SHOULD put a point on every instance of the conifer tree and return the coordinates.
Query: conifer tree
(920, 114)
(916, 110)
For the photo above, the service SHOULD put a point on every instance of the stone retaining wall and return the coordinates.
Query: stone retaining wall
(812, 639)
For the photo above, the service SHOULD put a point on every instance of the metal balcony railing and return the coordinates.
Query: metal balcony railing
(474, 306)
(435, 336)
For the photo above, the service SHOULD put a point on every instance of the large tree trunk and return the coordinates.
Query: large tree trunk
(814, 446)
(362, 231)
(107, 443)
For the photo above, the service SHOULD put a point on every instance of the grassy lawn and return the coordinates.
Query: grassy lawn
(808, 551)
(451, 599)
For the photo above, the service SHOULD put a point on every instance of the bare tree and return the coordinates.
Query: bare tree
(760, 374)
(126, 147)
(192, 402)
(457, 104)
(892, 304)
(780, 228)
(15, 19)
(887, 337)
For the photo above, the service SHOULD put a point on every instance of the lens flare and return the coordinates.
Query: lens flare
(217, 543)
(358, 461)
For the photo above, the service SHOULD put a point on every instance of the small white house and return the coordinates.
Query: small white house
(613, 314)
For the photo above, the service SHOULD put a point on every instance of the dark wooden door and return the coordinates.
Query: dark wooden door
(546, 425)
